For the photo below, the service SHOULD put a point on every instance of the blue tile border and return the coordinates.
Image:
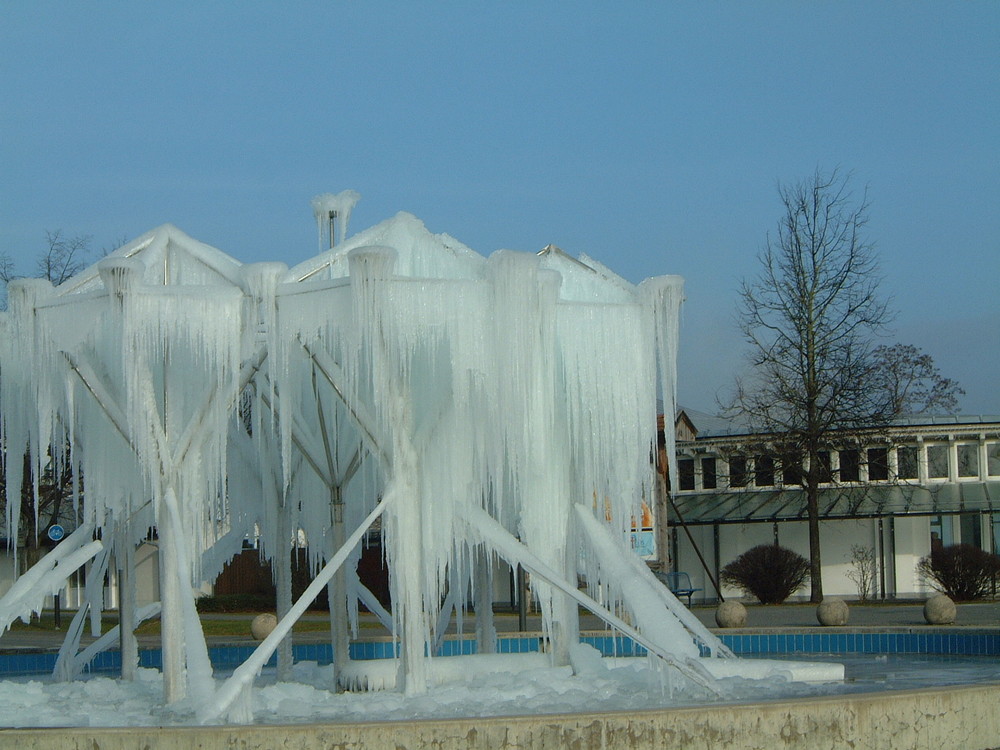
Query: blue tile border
(971, 643)
(948, 642)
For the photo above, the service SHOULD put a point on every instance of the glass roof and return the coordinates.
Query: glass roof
(789, 504)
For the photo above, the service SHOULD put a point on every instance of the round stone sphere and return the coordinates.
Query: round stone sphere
(262, 625)
(731, 614)
(832, 612)
(940, 610)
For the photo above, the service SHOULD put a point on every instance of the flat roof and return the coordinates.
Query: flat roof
(867, 501)
(710, 425)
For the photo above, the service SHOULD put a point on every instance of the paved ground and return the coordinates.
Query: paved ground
(902, 614)
(772, 617)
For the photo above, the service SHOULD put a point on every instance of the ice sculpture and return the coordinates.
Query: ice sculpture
(483, 408)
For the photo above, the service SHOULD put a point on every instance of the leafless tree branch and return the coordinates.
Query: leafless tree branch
(811, 319)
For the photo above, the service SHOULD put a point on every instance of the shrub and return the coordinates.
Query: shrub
(863, 571)
(253, 602)
(962, 571)
(768, 572)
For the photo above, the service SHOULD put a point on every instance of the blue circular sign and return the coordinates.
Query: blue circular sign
(56, 532)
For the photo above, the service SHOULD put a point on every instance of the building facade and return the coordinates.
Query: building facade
(893, 492)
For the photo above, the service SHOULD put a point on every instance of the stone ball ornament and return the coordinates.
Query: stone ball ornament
(940, 610)
(262, 625)
(731, 614)
(833, 612)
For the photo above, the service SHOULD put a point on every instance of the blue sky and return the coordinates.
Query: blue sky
(650, 136)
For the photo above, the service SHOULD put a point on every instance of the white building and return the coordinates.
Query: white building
(895, 490)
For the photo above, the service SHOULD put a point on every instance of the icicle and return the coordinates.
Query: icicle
(262, 281)
(29, 394)
(664, 296)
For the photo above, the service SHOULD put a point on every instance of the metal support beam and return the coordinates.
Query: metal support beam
(484, 527)
(334, 375)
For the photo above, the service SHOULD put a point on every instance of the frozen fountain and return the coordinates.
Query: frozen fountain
(474, 409)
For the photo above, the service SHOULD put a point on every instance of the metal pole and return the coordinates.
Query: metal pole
(881, 559)
(697, 551)
(522, 605)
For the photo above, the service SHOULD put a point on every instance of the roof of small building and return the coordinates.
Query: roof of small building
(709, 425)
(861, 501)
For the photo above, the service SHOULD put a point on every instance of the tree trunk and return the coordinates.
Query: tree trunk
(283, 560)
(815, 563)
(660, 517)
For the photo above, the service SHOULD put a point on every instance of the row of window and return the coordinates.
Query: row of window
(875, 464)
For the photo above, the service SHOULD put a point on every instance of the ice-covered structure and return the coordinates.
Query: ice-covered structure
(483, 408)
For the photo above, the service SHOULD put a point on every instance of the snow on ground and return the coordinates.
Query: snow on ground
(622, 684)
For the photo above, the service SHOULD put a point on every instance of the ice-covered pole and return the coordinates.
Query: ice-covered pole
(331, 210)
(371, 275)
(532, 418)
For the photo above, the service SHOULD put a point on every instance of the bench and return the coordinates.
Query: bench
(679, 584)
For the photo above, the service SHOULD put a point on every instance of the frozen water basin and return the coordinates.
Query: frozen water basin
(625, 685)
(873, 672)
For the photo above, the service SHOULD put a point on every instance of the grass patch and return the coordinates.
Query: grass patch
(237, 625)
(45, 623)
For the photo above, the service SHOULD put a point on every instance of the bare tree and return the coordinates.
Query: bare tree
(811, 319)
(65, 257)
(864, 569)
(6, 268)
(913, 383)
(52, 504)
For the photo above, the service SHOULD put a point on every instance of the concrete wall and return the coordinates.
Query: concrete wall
(963, 717)
(836, 540)
(147, 574)
(913, 541)
(688, 562)
(909, 536)
(6, 571)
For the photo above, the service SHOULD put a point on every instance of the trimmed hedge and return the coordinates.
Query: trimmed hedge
(768, 572)
(962, 571)
(236, 603)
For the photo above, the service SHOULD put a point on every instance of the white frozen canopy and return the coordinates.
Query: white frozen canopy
(169, 258)
(419, 253)
(400, 366)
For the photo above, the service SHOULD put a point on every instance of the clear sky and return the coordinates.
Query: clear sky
(649, 135)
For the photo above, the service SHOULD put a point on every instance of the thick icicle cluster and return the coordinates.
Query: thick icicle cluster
(479, 405)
